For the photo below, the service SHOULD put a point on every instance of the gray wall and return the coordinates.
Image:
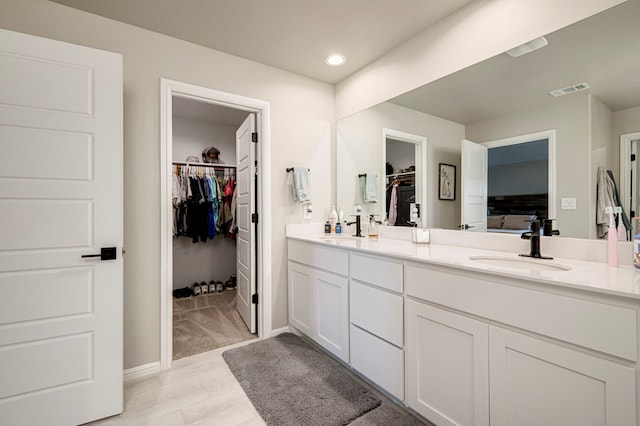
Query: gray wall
(569, 116)
(302, 121)
(527, 177)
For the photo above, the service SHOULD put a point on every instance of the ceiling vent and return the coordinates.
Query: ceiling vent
(523, 49)
(569, 89)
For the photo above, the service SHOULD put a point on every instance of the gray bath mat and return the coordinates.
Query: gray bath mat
(291, 383)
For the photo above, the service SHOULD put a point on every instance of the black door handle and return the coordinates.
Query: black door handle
(106, 253)
(465, 226)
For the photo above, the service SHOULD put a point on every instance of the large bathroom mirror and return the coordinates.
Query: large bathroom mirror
(506, 98)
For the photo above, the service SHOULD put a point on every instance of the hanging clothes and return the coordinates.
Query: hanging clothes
(393, 205)
(202, 202)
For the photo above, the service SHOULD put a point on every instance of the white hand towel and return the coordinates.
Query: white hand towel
(301, 187)
(369, 184)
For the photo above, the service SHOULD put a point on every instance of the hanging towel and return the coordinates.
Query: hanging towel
(625, 219)
(301, 186)
(369, 184)
(393, 206)
(605, 198)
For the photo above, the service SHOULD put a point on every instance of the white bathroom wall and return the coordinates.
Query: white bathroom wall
(359, 145)
(191, 136)
(302, 119)
(214, 259)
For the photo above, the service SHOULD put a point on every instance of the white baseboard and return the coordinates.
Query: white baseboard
(280, 330)
(141, 371)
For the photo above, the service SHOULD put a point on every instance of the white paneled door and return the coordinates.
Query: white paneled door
(245, 245)
(60, 199)
(474, 186)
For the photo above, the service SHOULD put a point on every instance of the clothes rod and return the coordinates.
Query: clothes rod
(290, 169)
(222, 166)
(362, 175)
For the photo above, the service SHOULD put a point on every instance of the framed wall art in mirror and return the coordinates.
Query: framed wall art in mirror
(446, 182)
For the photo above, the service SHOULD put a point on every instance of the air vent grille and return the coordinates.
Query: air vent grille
(570, 89)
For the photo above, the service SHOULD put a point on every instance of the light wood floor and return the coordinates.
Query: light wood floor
(198, 390)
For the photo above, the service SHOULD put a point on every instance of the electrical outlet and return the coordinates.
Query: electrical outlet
(568, 203)
(308, 210)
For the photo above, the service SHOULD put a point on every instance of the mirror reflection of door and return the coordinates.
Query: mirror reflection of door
(474, 187)
(520, 182)
(404, 171)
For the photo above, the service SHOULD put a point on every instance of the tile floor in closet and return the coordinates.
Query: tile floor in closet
(206, 322)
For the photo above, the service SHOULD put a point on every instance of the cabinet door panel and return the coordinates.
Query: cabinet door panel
(332, 298)
(300, 298)
(447, 366)
(534, 382)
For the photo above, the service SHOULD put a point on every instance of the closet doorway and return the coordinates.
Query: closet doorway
(211, 259)
(404, 163)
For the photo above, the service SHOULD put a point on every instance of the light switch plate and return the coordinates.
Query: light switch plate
(568, 203)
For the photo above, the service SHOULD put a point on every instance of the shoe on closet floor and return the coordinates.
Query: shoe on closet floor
(219, 287)
(212, 286)
(196, 289)
(182, 292)
(204, 287)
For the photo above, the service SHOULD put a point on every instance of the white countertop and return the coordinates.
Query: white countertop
(584, 275)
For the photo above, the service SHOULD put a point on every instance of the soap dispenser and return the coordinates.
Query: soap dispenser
(373, 227)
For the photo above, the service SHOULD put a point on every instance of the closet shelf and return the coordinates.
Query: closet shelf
(401, 174)
(222, 166)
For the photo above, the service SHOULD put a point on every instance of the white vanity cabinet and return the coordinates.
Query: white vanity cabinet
(447, 366)
(319, 295)
(377, 318)
(484, 350)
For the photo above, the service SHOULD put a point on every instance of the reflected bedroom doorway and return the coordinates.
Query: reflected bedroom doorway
(521, 182)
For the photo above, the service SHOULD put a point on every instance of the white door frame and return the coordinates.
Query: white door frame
(625, 169)
(550, 135)
(169, 89)
(420, 156)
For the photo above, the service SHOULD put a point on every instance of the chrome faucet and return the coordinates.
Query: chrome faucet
(534, 236)
(358, 226)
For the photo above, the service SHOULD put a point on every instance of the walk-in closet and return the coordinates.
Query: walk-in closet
(204, 227)
(400, 181)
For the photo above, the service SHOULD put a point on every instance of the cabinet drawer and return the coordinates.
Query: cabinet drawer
(377, 311)
(597, 325)
(379, 361)
(377, 271)
(319, 257)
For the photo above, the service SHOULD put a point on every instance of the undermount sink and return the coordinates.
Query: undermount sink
(339, 239)
(521, 263)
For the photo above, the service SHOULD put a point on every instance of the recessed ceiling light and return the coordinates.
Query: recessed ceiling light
(335, 60)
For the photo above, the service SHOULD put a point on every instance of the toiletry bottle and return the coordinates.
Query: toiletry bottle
(373, 227)
(333, 218)
(327, 228)
(338, 228)
(612, 240)
(340, 215)
(636, 243)
(622, 230)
